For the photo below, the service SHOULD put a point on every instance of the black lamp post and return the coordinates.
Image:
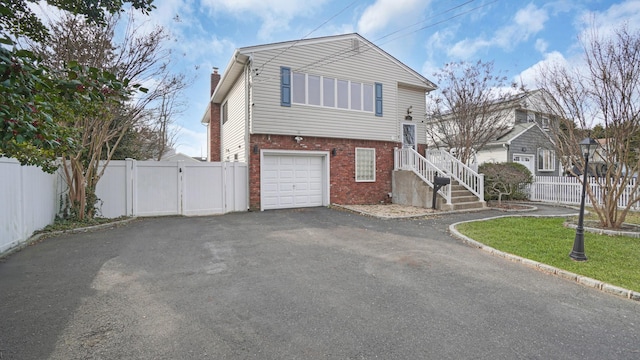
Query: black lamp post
(577, 253)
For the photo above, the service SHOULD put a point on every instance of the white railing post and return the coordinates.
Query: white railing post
(409, 159)
(458, 171)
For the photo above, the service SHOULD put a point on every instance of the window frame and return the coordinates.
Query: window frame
(296, 93)
(414, 146)
(360, 152)
(224, 112)
(545, 122)
(546, 157)
(343, 93)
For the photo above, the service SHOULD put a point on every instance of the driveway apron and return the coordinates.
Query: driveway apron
(310, 283)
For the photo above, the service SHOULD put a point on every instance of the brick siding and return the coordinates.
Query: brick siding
(343, 187)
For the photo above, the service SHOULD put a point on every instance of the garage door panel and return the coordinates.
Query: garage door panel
(292, 181)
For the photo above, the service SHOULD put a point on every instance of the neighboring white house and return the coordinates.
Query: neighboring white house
(317, 120)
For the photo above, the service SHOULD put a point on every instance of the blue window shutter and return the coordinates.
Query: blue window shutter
(285, 86)
(378, 99)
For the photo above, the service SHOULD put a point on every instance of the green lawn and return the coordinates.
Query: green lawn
(612, 259)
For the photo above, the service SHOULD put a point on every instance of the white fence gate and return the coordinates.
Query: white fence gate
(152, 188)
(30, 198)
(568, 190)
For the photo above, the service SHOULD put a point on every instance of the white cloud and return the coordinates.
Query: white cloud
(529, 77)
(467, 48)
(429, 69)
(526, 22)
(275, 14)
(626, 12)
(388, 12)
(190, 142)
(531, 19)
(541, 45)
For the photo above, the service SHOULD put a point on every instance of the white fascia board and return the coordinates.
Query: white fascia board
(231, 73)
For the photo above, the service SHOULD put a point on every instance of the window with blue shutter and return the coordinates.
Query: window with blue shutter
(285, 86)
(378, 99)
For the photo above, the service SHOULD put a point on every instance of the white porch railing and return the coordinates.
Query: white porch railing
(409, 159)
(457, 170)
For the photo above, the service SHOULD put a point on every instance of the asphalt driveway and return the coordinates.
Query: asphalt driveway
(296, 284)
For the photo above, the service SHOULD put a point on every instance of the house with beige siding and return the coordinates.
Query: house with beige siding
(316, 120)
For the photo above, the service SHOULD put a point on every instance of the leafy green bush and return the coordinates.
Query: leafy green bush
(505, 181)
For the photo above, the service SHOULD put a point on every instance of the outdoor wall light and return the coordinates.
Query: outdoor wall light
(255, 149)
(524, 149)
(334, 152)
(408, 116)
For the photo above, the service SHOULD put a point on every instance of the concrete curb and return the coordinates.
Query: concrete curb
(633, 234)
(551, 270)
(35, 238)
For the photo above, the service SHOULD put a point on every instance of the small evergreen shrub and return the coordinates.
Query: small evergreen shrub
(506, 181)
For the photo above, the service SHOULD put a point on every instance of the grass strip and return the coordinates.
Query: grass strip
(611, 259)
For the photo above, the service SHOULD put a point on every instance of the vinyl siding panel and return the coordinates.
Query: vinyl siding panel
(531, 140)
(416, 99)
(329, 59)
(233, 131)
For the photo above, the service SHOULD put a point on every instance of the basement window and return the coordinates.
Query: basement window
(365, 165)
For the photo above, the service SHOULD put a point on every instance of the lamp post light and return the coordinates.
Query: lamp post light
(577, 253)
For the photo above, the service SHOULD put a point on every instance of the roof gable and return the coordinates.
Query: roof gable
(352, 36)
(242, 55)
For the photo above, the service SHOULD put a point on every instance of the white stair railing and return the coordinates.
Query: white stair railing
(409, 159)
(457, 170)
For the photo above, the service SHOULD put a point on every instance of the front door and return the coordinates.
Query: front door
(409, 136)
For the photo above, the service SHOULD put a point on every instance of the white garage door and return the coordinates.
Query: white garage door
(292, 181)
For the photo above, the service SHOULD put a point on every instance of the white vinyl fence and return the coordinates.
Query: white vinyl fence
(155, 188)
(30, 199)
(568, 190)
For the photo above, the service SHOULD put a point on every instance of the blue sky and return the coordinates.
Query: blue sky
(518, 36)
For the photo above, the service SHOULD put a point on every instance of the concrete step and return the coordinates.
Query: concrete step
(463, 199)
(463, 192)
(469, 205)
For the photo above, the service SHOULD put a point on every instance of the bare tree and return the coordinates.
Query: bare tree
(605, 91)
(469, 109)
(139, 56)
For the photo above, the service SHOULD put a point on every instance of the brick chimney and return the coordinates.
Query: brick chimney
(214, 123)
(215, 79)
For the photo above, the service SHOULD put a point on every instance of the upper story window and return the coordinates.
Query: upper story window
(225, 112)
(531, 117)
(544, 122)
(330, 92)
